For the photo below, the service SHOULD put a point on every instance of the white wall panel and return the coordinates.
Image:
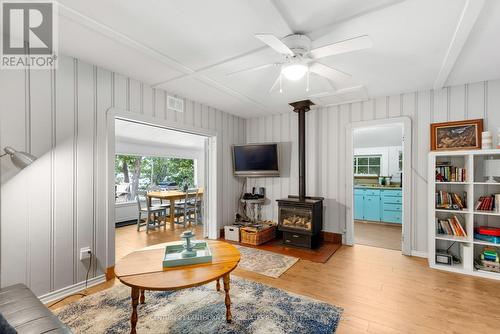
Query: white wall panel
(64, 167)
(326, 147)
(39, 182)
(14, 132)
(58, 204)
(135, 96)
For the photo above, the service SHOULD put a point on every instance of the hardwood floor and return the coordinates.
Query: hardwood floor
(377, 235)
(380, 290)
(320, 254)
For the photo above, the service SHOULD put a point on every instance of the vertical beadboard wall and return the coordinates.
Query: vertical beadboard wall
(57, 205)
(326, 148)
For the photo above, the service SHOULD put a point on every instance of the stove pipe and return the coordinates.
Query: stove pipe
(301, 107)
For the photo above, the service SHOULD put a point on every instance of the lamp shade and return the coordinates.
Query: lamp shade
(19, 159)
(491, 169)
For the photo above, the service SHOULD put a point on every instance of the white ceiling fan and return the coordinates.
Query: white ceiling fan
(299, 60)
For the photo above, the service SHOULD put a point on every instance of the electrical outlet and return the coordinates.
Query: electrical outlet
(85, 253)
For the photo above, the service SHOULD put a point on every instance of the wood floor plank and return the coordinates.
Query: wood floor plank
(380, 290)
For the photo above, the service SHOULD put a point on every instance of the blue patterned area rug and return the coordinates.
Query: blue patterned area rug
(256, 308)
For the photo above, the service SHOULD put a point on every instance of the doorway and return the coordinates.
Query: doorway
(147, 155)
(379, 155)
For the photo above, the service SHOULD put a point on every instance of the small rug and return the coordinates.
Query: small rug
(256, 308)
(264, 262)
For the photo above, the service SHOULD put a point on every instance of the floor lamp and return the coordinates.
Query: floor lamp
(19, 159)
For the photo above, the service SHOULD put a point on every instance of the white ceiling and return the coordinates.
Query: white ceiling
(378, 136)
(131, 132)
(188, 47)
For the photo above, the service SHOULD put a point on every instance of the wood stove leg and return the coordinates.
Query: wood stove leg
(217, 286)
(227, 300)
(133, 317)
(143, 298)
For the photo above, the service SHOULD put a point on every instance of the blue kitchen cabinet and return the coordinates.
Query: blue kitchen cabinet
(371, 207)
(383, 205)
(358, 207)
(392, 206)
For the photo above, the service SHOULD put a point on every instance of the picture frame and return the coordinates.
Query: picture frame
(457, 135)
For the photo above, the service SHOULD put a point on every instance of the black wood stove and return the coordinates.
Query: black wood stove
(300, 217)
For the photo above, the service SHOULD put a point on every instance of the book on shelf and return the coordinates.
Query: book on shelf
(447, 173)
(450, 201)
(451, 226)
(488, 203)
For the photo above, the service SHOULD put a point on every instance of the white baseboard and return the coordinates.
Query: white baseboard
(61, 293)
(419, 254)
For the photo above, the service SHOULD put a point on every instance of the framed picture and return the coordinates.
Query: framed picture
(460, 135)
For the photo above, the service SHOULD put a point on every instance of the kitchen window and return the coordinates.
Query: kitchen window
(367, 165)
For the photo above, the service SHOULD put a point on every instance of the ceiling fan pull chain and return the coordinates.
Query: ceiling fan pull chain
(281, 87)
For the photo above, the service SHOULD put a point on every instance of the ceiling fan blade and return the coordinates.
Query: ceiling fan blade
(275, 43)
(349, 45)
(254, 68)
(328, 72)
(276, 82)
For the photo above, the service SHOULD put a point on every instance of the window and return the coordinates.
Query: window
(137, 173)
(400, 161)
(367, 165)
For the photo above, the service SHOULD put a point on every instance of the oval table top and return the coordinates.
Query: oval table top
(144, 269)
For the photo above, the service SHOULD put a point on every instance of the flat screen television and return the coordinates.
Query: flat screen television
(254, 160)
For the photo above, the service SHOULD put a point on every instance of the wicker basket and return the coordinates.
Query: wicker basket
(252, 236)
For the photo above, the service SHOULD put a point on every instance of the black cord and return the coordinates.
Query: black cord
(242, 207)
(77, 293)
(72, 295)
(88, 271)
(447, 250)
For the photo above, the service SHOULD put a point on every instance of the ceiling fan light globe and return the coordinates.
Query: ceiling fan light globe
(294, 72)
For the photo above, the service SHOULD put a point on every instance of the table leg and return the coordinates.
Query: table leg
(172, 213)
(227, 301)
(217, 286)
(143, 298)
(135, 302)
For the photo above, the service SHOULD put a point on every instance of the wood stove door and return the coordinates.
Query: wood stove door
(296, 218)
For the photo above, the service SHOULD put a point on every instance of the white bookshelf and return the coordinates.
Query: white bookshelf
(467, 247)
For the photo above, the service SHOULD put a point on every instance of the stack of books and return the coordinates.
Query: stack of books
(447, 173)
(450, 201)
(488, 203)
(488, 233)
(451, 226)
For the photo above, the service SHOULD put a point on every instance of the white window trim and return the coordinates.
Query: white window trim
(368, 156)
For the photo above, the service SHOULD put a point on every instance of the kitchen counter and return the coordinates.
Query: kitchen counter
(376, 186)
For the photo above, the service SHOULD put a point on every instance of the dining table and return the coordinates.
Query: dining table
(172, 196)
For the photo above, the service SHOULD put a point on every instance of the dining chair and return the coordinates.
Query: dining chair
(163, 205)
(199, 206)
(188, 209)
(153, 213)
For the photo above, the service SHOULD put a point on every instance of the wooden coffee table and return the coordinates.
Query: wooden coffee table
(143, 270)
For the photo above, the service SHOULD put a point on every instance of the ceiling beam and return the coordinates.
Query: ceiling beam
(88, 22)
(284, 15)
(466, 22)
(325, 30)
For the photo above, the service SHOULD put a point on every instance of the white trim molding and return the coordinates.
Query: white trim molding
(419, 254)
(69, 290)
(407, 168)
